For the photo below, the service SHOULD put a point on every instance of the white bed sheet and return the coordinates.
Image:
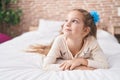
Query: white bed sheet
(16, 64)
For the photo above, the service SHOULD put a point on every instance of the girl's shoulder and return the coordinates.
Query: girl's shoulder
(59, 38)
(91, 41)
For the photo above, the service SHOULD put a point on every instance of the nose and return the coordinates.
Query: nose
(68, 24)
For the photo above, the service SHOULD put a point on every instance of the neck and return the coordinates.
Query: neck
(74, 45)
(75, 41)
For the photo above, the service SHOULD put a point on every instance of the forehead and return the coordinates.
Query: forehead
(75, 14)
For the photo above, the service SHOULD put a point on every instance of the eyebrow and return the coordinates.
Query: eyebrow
(78, 19)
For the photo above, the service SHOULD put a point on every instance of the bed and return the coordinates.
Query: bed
(16, 64)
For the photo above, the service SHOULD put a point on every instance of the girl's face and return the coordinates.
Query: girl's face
(74, 25)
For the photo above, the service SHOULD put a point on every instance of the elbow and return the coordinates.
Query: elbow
(98, 64)
(105, 66)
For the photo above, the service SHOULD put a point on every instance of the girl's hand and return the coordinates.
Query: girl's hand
(66, 65)
(70, 64)
(84, 68)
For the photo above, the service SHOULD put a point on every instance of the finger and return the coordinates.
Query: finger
(72, 67)
(67, 67)
(62, 64)
(63, 67)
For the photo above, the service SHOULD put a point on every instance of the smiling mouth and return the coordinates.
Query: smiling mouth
(68, 29)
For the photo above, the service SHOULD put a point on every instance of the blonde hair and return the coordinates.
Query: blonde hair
(42, 49)
(38, 48)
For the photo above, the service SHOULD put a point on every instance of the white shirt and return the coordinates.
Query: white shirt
(90, 50)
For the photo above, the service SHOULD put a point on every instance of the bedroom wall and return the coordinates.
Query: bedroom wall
(33, 10)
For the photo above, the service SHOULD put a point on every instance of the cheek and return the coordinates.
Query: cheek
(63, 28)
(78, 29)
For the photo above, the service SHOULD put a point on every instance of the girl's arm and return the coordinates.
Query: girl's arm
(53, 54)
(98, 58)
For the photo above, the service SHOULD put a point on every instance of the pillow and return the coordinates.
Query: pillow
(104, 35)
(49, 29)
(49, 26)
(108, 43)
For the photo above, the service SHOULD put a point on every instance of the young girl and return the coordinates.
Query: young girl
(77, 47)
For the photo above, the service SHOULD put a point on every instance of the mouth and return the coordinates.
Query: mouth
(68, 30)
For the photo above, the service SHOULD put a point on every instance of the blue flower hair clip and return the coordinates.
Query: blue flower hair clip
(95, 16)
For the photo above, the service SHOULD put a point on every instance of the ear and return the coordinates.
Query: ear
(86, 30)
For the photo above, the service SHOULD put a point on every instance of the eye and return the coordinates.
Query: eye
(74, 21)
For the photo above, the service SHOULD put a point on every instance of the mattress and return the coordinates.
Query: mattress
(17, 64)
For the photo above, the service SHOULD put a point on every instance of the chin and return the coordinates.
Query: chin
(67, 34)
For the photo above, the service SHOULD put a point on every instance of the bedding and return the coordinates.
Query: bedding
(16, 64)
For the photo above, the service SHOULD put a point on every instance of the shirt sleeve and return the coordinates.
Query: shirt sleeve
(53, 54)
(98, 58)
